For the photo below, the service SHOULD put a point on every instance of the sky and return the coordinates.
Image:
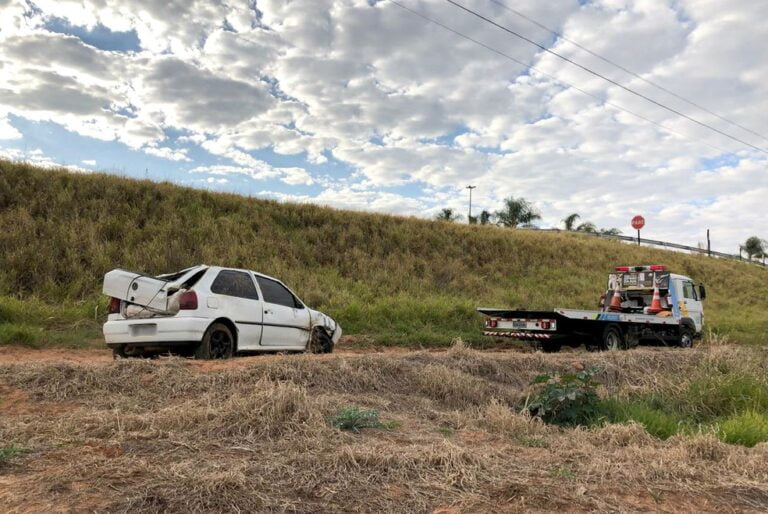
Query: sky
(362, 104)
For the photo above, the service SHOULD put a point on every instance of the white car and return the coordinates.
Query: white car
(210, 312)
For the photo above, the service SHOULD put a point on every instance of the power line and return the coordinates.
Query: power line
(626, 70)
(552, 77)
(607, 79)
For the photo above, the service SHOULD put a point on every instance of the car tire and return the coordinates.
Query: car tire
(217, 343)
(686, 338)
(320, 342)
(118, 352)
(612, 338)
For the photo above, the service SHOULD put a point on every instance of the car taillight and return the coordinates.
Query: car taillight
(188, 301)
(114, 306)
(492, 323)
(545, 325)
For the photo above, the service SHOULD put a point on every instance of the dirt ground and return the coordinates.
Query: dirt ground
(252, 434)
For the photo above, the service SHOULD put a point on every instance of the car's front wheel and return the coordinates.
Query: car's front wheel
(217, 343)
(320, 342)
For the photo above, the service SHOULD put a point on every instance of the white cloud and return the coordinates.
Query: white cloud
(89, 162)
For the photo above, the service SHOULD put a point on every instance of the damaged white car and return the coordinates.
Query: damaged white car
(210, 312)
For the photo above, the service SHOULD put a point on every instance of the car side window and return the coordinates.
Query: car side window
(235, 283)
(277, 293)
(689, 291)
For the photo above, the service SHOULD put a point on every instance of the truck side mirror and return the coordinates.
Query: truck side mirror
(702, 292)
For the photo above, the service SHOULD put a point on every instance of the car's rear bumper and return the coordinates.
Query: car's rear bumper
(155, 330)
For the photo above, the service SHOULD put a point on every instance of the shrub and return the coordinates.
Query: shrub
(746, 429)
(355, 419)
(566, 399)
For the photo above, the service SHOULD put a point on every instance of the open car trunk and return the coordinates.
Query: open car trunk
(145, 295)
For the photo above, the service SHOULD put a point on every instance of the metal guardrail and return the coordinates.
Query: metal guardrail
(653, 242)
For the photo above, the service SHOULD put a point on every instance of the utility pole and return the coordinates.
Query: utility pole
(709, 246)
(469, 220)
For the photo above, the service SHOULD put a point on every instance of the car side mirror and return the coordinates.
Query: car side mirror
(702, 292)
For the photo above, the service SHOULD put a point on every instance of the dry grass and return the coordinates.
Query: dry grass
(176, 435)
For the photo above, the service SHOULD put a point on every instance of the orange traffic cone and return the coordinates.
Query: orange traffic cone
(616, 299)
(655, 307)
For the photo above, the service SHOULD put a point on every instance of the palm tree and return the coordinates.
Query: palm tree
(754, 247)
(517, 211)
(448, 214)
(485, 218)
(587, 227)
(570, 221)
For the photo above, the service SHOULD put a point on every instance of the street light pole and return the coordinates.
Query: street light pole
(469, 220)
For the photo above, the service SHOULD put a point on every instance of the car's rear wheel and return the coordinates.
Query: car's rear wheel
(320, 342)
(217, 343)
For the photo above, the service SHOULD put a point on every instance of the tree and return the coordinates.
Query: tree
(755, 247)
(485, 218)
(570, 221)
(610, 231)
(472, 220)
(448, 214)
(587, 227)
(517, 211)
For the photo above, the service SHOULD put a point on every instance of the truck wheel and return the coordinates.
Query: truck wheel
(217, 343)
(549, 347)
(686, 338)
(612, 338)
(320, 342)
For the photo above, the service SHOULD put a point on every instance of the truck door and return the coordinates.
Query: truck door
(234, 295)
(286, 320)
(691, 305)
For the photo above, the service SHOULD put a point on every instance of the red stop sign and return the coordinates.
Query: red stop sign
(638, 222)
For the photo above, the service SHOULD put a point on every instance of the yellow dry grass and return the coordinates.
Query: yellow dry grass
(252, 435)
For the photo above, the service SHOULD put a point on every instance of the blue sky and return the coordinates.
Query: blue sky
(363, 105)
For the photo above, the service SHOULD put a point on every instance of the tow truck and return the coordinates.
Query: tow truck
(642, 305)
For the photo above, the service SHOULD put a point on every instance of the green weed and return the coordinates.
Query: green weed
(746, 429)
(10, 452)
(13, 333)
(355, 419)
(656, 422)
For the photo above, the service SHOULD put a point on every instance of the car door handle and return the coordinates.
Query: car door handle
(267, 311)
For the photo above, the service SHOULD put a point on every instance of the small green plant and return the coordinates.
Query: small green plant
(532, 442)
(355, 419)
(562, 473)
(566, 399)
(9, 452)
(446, 431)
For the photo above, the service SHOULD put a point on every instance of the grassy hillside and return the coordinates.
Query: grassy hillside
(393, 279)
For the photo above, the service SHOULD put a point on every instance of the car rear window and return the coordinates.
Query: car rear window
(277, 293)
(234, 283)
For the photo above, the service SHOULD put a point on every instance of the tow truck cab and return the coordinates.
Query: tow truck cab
(680, 297)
